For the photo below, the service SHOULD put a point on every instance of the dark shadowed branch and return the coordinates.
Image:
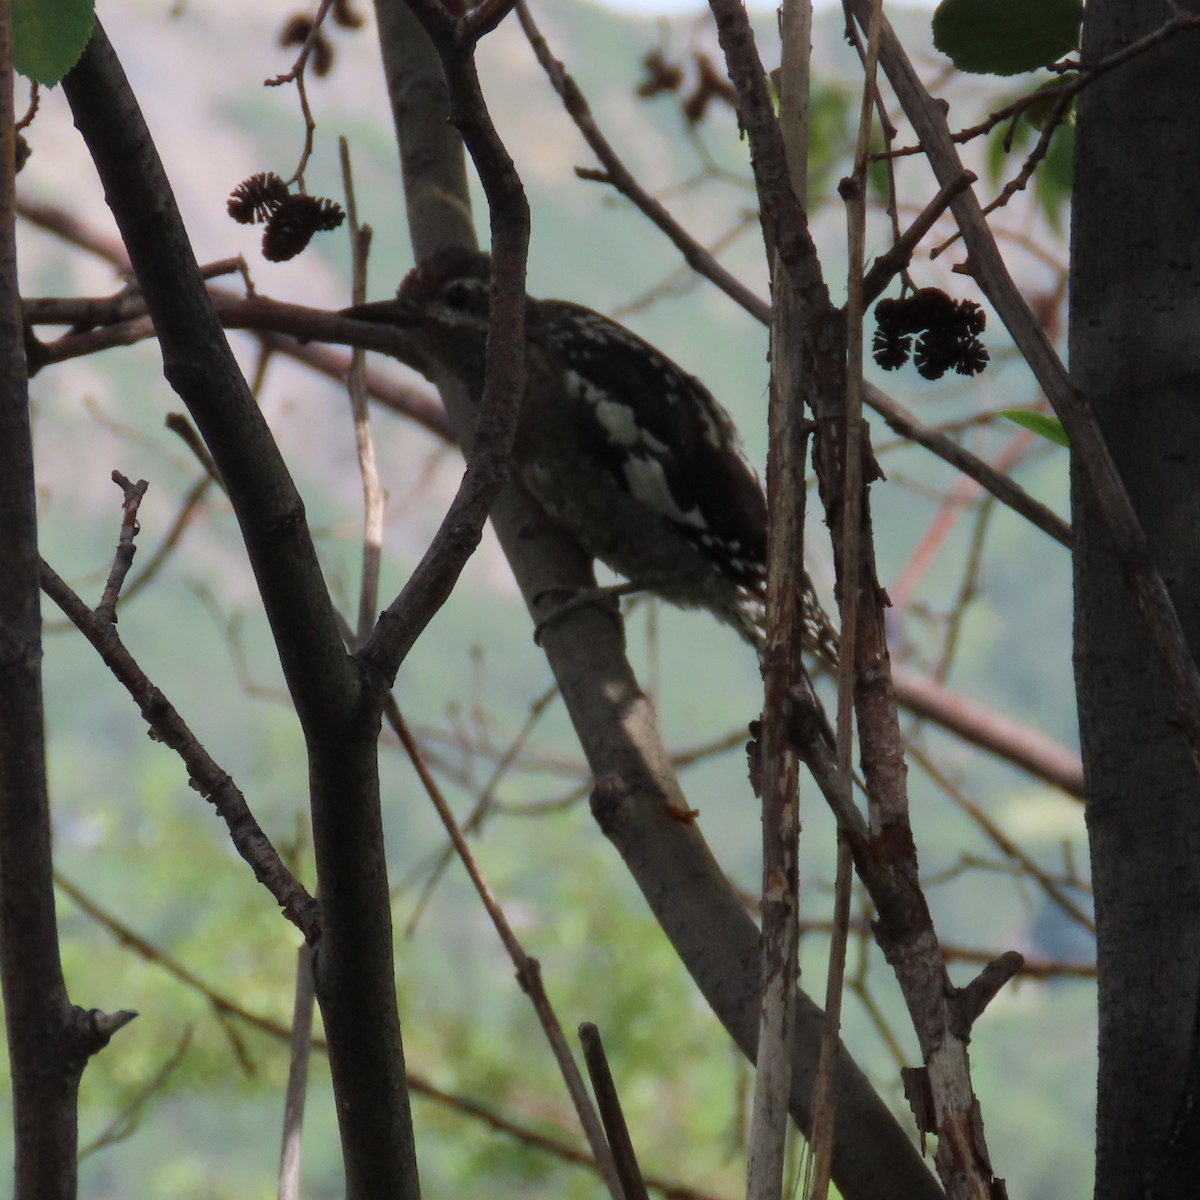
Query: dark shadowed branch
(355, 976)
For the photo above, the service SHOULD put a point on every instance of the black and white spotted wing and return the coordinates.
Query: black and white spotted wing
(661, 432)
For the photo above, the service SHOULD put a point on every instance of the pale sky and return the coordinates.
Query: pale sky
(663, 7)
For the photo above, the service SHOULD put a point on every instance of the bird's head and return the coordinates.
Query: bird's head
(442, 308)
(451, 289)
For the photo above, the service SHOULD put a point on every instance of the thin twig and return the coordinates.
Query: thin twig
(623, 180)
(1088, 447)
(909, 426)
(297, 75)
(192, 501)
(297, 1085)
(227, 1008)
(527, 969)
(483, 802)
(374, 497)
(855, 190)
(124, 1124)
(106, 610)
(1010, 849)
(204, 774)
(899, 255)
(969, 589)
(609, 1104)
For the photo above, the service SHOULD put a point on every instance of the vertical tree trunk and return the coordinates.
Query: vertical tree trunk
(1135, 353)
(45, 1067)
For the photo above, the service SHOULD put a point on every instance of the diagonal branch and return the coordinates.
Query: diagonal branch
(887, 860)
(355, 974)
(636, 792)
(204, 774)
(1088, 447)
(491, 439)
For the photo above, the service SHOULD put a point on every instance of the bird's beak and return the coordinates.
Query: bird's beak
(400, 328)
(381, 312)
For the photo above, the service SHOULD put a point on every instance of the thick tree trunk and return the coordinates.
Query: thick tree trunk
(1135, 353)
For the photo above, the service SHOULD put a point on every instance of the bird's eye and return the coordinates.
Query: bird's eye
(457, 293)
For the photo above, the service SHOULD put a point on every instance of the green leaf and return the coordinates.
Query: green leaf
(1007, 145)
(1055, 175)
(1048, 427)
(1006, 37)
(49, 36)
(1038, 114)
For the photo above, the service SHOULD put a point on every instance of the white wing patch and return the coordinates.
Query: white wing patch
(620, 423)
(647, 483)
(618, 420)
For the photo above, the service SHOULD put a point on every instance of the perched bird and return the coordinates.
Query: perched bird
(624, 450)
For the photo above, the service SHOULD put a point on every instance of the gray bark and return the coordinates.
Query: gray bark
(1135, 354)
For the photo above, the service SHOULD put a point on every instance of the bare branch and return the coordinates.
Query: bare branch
(609, 1104)
(620, 177)
(374, 498)
(900, 254)
(1088, 447)
(106, 610)
(120, 321)
(490, 442)
(298, 75)
(908, 425)
(527, 969)
(205, 776)
(297, 1084)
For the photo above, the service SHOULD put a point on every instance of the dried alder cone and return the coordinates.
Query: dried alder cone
(625, 451)
(291, 219)
(947, 334)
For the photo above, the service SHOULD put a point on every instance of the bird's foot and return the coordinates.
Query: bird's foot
(570, 600)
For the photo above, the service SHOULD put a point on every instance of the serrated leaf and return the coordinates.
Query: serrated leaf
(49, 36)
(1006, 37)
(1048, 427)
